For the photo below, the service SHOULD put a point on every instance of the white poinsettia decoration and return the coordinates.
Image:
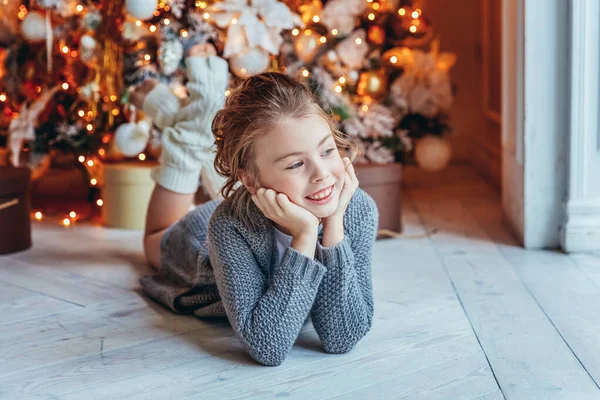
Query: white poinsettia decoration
(378, 153)
(424, 87)
(341, 14)
(258, 24)
(353, 50)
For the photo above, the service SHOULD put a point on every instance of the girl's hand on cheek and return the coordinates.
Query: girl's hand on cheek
(348, 190)
(279, 209)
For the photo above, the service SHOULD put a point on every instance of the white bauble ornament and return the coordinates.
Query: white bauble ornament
(88, 49)
(89, 92)
(131, 139)
(433, 153)
(306, 46)
(34, 27)
(141, 9)
(249, 62)
(170, 54)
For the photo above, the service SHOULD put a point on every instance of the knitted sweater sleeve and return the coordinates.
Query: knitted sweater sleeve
(343, 310)
(188, 145)
(266, 314)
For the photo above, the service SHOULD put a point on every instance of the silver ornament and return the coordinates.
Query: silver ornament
(170, 54)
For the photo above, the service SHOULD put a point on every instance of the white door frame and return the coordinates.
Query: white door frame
(535, 120)
(581, 229)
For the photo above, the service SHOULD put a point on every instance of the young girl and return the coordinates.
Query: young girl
(293, 236)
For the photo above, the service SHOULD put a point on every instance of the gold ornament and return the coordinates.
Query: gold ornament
(376, 35)
(307, 45)
(372, 84)
(433, 153)
(309, 10)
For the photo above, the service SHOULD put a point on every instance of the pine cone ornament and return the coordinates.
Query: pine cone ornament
(170, 54)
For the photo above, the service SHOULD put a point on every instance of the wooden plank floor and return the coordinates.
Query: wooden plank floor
(462, 312)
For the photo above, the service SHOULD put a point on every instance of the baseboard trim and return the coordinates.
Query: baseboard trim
(581, 230)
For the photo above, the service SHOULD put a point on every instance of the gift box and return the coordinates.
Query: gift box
(15, 223)
(126, 194)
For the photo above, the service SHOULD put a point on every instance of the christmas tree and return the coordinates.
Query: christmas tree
(68, 66)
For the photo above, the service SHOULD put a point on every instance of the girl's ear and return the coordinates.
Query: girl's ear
(249, 182)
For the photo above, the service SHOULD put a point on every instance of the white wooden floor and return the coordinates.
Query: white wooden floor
(461, 314)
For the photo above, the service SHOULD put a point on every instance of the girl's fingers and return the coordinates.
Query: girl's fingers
(284, 202)
(271, 197)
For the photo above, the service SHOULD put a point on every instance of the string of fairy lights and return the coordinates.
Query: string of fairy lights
(93, 162)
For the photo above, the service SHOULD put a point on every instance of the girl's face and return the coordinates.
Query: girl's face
(300, 159)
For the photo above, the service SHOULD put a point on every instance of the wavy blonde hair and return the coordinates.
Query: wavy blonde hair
(257, 106)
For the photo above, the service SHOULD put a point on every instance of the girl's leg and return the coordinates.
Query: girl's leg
(165, 208)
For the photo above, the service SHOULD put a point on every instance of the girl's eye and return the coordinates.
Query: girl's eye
(296, 165)
(328, 152)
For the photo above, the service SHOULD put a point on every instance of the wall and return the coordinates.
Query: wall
(475, 137)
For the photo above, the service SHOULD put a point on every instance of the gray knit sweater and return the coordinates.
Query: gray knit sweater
(214, 265)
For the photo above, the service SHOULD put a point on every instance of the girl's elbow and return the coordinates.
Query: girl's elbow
(268, 359)
(346, 344)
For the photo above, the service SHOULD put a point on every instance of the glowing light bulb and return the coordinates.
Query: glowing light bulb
(295, 32)
(206, 15)
(305, 73)
(81, 159)
(90, 163)
(65, 49)
(376, 6)
(99, 202)
(371, 17)
(316, 19)
(415, 14)
(89, 127)
(402, 12)
(65, 86)
(334, 32)
(393, 59)
(166, 21)
(138, 23)
(322, 39)
(358, 41)
(66, 222)
(365, 108)
(2, 97)
(234, 21)
(338, 89)
(72, 214)
(142, 156)
(79, 8)
(413, 29)
(93, 182)
(147, 57)
(38, 216)
(227, 92)
(342, 80)
(152, 28)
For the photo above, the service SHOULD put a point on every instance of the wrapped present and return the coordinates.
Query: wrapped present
(15, 223)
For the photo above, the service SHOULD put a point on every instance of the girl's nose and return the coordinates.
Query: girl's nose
(320, 173)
